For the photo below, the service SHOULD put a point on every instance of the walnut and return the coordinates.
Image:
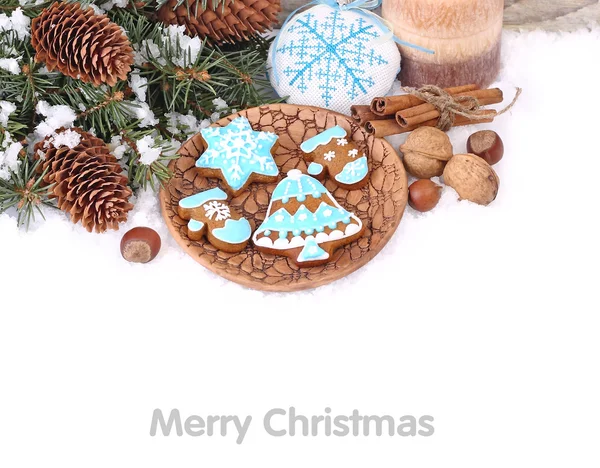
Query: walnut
(426, 152)
(473, 178)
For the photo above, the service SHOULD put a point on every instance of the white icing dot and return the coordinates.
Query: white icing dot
(294, 174)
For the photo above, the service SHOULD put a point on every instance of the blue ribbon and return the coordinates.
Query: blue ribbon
(362, 7)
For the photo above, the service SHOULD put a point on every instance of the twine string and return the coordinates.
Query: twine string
(450, 106)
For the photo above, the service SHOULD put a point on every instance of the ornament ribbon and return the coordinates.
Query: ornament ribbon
(362, 7)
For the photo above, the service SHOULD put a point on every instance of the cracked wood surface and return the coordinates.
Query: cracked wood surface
(380, 204)
(551, 15)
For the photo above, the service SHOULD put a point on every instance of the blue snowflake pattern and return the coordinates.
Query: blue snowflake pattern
(333, 51)
(238, 151)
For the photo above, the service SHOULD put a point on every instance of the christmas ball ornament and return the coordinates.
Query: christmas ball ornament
(228, 21)
(81, 44)
(334, 58)
(86, 179)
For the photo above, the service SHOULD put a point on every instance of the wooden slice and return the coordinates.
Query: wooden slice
(380, 204)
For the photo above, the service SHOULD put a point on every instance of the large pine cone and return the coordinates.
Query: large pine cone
(235, 21)
(81, 44)
(88, 181)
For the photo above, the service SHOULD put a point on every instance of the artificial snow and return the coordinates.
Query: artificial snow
(148, 152)
(68, 138)
(190, 47)
(9, 156)
(6, 109)
(17, 22)
(219, 103)
(527, 249)
(117, 146)
(10, 65)
(139, 85)
(55, 117)
(142, 112)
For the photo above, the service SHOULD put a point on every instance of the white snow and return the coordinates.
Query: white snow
(67, 138)
(138, 84)
(9, 156)
(114, 3)
(142, 111)
(6, 109)
(148, 152)
(56, 117)
(117, 146)
(219, 104)
(11, 65)
(17, 22)
(189, 46)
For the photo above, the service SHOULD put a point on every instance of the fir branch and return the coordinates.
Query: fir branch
(25, 192)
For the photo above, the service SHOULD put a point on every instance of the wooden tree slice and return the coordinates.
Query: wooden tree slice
(380, 204)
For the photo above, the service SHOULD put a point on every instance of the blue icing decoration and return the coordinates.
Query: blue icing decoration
(195, 225)
(267, 233)
(235, 231)
(353, 172)
(303, 220)
(297, 185)
(312, 251)
(200, 198)
(322, 138)
(238, 151)
(315, 168)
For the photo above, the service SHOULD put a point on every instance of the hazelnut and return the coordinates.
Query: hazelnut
(140, 245)
(423, 195)
(426, 151)
(473, 178)
(487, 145)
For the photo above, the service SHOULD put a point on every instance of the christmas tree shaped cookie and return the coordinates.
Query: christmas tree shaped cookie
(304, 222)
(331, 152)
(238, 155)
(209, 215)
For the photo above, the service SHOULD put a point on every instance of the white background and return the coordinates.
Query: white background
(484, 318)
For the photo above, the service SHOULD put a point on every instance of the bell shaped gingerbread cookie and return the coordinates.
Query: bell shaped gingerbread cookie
(210, 215)
(332, 152)
(238, 155)
(305, 223)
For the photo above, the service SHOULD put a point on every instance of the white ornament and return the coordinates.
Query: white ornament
(333, 58)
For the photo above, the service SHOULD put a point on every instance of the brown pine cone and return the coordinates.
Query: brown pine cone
(88, 181)
(81, 44)
(237, 20)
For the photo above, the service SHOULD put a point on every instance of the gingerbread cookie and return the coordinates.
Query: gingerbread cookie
(331, 152)
(209, 215)
(238, 155)
(304, 222)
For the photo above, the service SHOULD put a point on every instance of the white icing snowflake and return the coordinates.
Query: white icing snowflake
(279, 218)
(329, 155)
(302, 217)
(219, 209)
(342, 142)
(327, 213)
(353, 152)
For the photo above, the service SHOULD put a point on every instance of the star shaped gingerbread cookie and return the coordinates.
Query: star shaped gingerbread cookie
(238, 155)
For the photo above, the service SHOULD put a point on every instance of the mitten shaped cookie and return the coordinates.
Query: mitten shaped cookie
(238, 155)
(331, 152)
(210, 215)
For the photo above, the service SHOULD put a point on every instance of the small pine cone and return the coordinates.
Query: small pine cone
(88, 181)
(81, 44)
(237, 20)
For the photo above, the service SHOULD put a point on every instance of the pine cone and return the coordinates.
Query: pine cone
(88, 181)
(235, 21)
(81, 44)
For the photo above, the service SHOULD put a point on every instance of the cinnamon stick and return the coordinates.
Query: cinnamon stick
(362, 114)
(384, 106)
(459, 121)
(424, 112)
(381, 128)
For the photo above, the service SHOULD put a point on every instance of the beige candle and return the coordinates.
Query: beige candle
(465, 35)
